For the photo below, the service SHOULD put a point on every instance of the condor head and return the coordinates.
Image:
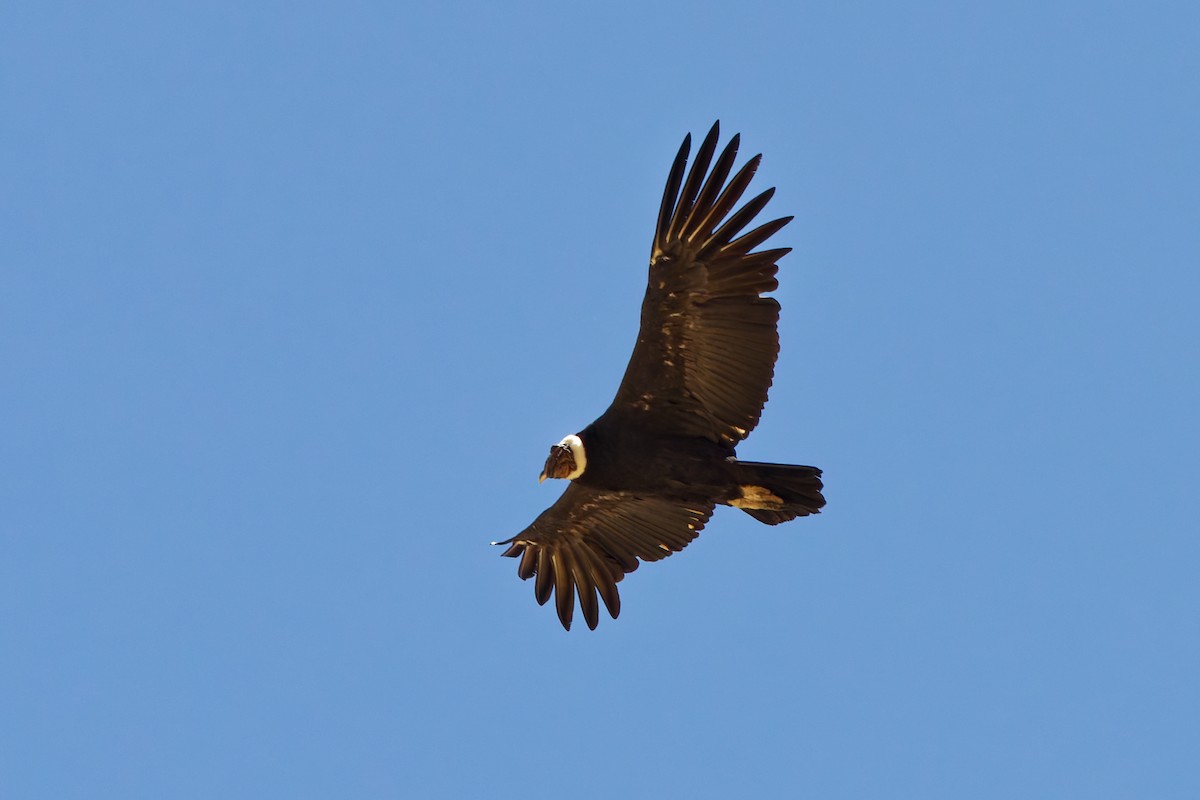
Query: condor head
(566, 460)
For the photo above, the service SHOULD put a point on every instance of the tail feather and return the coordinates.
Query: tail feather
(775, 493)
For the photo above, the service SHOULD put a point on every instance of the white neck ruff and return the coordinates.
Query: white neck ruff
(576, 445)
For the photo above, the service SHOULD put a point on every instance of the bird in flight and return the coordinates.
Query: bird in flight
(647, 474)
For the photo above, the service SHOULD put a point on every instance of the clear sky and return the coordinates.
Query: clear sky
(294, 298)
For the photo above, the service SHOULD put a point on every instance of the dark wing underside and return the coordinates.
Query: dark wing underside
(705, 354)
(587, 541)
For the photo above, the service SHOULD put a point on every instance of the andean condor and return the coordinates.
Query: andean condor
(647, 474)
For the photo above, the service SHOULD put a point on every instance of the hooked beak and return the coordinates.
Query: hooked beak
(542, 477)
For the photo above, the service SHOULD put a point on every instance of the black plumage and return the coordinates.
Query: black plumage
(647, 474)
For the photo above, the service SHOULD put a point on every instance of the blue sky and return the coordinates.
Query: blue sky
(295, 298)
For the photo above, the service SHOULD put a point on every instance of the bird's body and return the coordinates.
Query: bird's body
(638, 458)
(646, 475)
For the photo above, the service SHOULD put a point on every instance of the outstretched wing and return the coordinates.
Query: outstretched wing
(705, 354)
(589, 540)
